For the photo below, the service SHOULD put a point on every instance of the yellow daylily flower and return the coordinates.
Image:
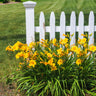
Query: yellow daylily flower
(92, 48)
(32, 63)
(60, 61)
(78, 61)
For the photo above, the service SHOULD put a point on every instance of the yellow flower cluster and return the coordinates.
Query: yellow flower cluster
(64, 41)
(92, 48)
(60, 61)
(78, 61)
(52, 53)
(32, 63)
(82, 41)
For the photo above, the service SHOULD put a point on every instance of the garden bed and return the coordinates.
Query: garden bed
(8, 90)
(54, 68)
(9, 3)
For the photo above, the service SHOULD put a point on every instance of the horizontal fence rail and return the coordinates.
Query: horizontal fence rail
(67, 29)
(73, 28)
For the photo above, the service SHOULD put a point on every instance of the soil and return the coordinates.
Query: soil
(9, 3)
(8, 90)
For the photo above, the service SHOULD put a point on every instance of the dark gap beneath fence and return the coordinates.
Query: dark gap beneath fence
(87, 36)
(57, 35)
(47, 36)
(76, 38)
(36, 36)
(95, 37)
(67, 33)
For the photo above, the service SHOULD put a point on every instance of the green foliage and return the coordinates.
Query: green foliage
(18, 0)
(28, 0)
(57, 86)
(5, 1)
(67, 77)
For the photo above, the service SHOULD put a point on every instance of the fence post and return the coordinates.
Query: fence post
(30, 34)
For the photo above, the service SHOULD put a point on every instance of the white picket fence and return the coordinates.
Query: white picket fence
(31, 29)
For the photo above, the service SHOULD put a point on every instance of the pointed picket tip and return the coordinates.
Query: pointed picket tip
(52, 25)
(52, 12)
(91, 17)
(91, 13)
(73, 27)
(62, 25)
(81, 18)
(81, 14)
(73, 18)
(52, 18)
(41, 13)
(62, 14)
(52, 15)
(42, 16)
(73, 13)
(62, 18)
(42, 26)
(81, 24)
(91, 28)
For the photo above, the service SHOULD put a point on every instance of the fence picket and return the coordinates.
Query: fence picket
(42, 26)
(52, 25)
(91, 28)
(62, 25)
(81, 25)
(73, 28)
(81, 28)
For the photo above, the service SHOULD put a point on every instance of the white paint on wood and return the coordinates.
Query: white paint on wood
(86, 28)
(73, 28)
(68, 28)
(81, 25)
(94, 28)
(30, 35)
(91, 28)
(52, 25)
(62, 25)
(31, 29)
(42, 26)
(29, 4)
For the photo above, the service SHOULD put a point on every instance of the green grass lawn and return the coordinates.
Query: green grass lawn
(12, 24)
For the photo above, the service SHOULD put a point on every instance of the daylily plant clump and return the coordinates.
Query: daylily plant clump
(55, 68)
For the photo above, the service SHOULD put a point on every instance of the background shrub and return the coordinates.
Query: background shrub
(17, 0)
(5, 1)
